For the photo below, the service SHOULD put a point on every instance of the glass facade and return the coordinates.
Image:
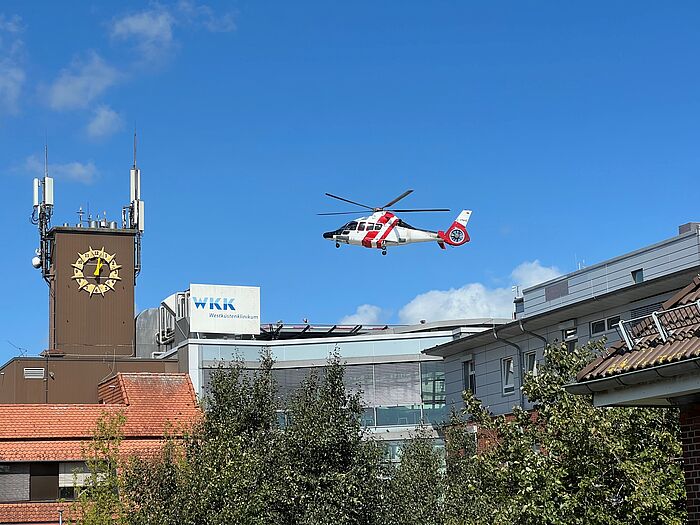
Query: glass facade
(395, 394)
(402, 391)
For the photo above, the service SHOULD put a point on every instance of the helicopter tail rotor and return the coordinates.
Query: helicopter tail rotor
(456, 234)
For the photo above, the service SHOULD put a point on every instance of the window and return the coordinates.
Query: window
(72, 475)
(432, 382)
(570, 337)
(602, 325)
(361, 227)
(370, 226)
(14, 482)
(638, 276)
(613, 322)
(598, 327)
(507, 376)
(351, 226)
(555, 291)
(531, 363)
(43, 481)
(469, 376)
(377, 226)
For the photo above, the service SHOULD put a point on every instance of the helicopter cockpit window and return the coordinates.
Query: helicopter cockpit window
(361, 227)
(351, 226)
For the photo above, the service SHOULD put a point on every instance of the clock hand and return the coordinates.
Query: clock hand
(98, 267)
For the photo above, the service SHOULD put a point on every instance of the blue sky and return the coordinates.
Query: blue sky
(570, 129)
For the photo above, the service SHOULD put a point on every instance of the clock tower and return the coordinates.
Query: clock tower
(91, 290)
(91, 270)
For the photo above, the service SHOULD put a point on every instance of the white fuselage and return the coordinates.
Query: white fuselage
(379, 230)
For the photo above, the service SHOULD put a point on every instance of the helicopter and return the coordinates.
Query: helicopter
(382, 228)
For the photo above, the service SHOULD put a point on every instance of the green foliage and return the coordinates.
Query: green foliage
(416, 487)
(99, 502)
(333, 474)
(239, 466)
(573, 463)
(569, 463)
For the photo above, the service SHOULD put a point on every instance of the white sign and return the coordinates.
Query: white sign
(222, 309)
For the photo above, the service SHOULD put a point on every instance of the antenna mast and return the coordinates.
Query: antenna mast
(132, 215)
(41, 216)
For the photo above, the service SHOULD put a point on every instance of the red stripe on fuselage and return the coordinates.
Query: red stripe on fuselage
(371, 235)
(388, 216)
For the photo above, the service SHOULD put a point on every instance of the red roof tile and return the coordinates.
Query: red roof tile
(649, 349)
(70, 450)
(36, 513)
(153, 405)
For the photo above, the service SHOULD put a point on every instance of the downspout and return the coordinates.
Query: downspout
(533, 334)
(536, 336)
(520, 363)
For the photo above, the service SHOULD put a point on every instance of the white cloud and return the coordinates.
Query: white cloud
(205, 16)
(365, 314)
(471, 300)
(11, 24)
(12, 76)
(474, 299)
(80, 84)
(74, 171)
(531, 273)
(151, 31)
(104, 122)
(12, 79)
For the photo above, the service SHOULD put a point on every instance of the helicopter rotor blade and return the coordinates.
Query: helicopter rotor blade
(351, 202)
(413, 211)
(341, 213)
(397, 199)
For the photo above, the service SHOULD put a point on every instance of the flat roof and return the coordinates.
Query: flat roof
(635, 292)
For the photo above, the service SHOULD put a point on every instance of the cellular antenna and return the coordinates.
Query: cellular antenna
(132, 215)
(42, 210)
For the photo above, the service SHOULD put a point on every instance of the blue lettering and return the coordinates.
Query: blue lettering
(200, 303)
(214, 302)
(228, 304)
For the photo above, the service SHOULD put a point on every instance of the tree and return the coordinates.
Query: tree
(241, 466)
(99, 501)
(226, 470)
(570, 462)
(333, 473)
(417, 484)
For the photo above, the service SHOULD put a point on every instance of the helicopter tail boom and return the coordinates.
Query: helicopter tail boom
(456, 234)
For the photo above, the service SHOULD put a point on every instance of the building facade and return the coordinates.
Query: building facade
(403, 388)
(43, 447)
(585, 305)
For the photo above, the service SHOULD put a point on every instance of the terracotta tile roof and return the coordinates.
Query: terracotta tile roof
(70, 450)
(682, 324)
(35, 513)
(152, 404)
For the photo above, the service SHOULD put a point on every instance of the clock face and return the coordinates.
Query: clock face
(96, 271)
